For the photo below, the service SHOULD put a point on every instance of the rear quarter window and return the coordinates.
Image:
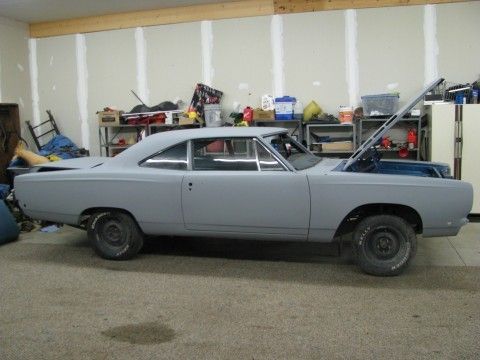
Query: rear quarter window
(174, 158)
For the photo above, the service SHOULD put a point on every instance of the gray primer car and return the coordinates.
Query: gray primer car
(259, 184)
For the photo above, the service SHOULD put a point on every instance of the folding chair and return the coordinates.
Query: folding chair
(34, 130)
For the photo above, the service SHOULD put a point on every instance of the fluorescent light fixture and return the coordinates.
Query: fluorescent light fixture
(461, 89)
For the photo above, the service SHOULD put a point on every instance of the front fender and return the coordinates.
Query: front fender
(443, 204)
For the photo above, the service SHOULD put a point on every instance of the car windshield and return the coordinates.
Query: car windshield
(297, 155)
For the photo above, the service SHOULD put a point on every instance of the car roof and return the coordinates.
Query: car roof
(162, 140)
(208, 132)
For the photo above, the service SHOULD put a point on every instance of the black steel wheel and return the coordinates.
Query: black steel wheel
(114, 235)
(384, 245)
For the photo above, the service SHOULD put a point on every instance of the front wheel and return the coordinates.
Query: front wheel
(384, 245)
(114, 235)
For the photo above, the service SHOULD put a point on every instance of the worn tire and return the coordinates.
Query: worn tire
(384, 245)
(114, 235)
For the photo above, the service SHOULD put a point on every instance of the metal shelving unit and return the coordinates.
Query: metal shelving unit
(110, 135)
(295, 126)
(333, 131)
(155, 128)
(398, 134)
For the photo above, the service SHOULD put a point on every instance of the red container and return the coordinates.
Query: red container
(215, 147)
(248, 114)
(403, 152)
(412, 138)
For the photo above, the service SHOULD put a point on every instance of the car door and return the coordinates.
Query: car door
(237, 185)
(156, 190)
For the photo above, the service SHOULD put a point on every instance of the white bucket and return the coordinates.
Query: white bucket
(345, 114)
(213, 115)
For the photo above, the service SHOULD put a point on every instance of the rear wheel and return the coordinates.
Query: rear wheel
(384, 245)
(114, 235)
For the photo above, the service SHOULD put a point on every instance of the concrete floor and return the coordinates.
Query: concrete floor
(223, 299)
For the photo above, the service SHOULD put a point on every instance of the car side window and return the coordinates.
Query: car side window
(224, 154)
(174, 158)
(266, 160)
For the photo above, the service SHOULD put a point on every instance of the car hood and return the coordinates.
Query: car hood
(377, 135)
(324, 166)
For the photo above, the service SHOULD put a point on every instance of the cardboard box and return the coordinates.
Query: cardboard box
(338, 146)
(109, 118)
(186, 121)
(262, 115)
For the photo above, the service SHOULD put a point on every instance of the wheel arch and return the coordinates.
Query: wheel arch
(405, 212)
(84, 216)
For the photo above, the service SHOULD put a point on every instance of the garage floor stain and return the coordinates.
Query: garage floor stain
(143, 334)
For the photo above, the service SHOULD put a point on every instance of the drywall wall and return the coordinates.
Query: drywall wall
(314, 52)
(458, 41)
(390, 50)
(242, 60)
(14, 69)
(173, 61)
(57, 77)
(111, 63)
(330, 57)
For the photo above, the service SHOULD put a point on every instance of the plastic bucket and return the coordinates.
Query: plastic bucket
(284, 108)
(345, 114)
(311, 110)
(213, 115)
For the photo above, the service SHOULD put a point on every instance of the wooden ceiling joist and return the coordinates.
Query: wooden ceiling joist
(217, 11)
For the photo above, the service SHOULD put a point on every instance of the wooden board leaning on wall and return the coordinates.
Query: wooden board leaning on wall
(227, 10)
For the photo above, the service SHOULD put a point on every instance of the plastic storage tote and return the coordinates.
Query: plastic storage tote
(380, 105)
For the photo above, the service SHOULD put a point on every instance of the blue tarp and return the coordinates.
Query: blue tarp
(59, 145)
(4, 190)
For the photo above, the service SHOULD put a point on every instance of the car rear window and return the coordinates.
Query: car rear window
(174, 158)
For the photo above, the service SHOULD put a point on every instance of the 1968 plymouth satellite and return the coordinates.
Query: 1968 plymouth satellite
(254, 183)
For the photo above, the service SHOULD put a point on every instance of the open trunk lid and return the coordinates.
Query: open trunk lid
(377, 135)
(71, 164)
